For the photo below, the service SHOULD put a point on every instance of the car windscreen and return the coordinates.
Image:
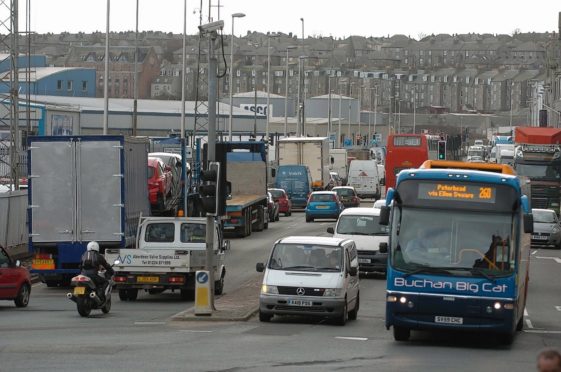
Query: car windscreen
(543, 216)
(193, 232)
(322, 198)
(276, 193)
(345, 192)
(361, 225)
(306, 257)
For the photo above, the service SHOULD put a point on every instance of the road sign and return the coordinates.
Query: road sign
(202, 293)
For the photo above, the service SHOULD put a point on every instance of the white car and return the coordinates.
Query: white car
(378, 204)
(362, 225)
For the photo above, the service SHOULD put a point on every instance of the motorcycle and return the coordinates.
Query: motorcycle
(86, 295)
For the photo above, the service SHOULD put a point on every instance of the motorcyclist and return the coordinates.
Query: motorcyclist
(92, 261)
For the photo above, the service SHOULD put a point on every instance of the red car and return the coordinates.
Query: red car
(160, 180)
(285, 204)
(15, 282)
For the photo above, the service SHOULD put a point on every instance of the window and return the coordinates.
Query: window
(59, 84)
(160, 233)
(84, 85)
(69, 85)
(193, 233)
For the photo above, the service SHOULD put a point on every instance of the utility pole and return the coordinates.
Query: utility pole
(135, 93)
(211, 154)
(358, 113)
(184, 189)
(106, 73)
(339, 124)
(329, 104)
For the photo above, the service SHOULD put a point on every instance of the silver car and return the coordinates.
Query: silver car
(547, 229)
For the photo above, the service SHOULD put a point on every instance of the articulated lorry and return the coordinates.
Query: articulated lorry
(310, 151)
(246, 209)
(537, 155)
(83, 188)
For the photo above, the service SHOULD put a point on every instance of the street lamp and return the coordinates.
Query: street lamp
(286, 92)
(339, 124)
(375, 88)
(235, 15)
(268, 83)
(350, 106)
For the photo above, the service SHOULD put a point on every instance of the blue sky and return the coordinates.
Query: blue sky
(327, 17)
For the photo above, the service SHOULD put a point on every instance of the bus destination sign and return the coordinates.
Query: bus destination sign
(457, 192)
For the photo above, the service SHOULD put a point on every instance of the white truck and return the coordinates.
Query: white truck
(365, 178)
(310, 151)
(338, 162)
(169, 252)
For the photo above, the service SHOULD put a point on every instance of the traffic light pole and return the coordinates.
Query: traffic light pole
(212, 84)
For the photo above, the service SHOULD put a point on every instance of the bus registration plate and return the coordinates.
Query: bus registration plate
(448, 320)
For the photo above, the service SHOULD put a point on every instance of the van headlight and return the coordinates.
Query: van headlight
(269, 289)
(333, 292)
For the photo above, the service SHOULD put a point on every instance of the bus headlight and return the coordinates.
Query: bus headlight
(269, 289)
(402, 300)
(497, 306)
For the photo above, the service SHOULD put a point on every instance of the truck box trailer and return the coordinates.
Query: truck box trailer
(310, 151)
(82, 189)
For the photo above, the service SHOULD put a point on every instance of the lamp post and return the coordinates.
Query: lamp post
(414, 107)
(268, 84)
(231, 88)
(350, 106)
(375, 88)
(329, 106)
(286, 93)
(360, 87)
(339, 124)
(106, 77)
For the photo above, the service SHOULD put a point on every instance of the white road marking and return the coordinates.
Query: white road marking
(556, 259)
(534, 252)
(528, 321)
(149, 323)
(558, 308)
(293, 225)
(541, 331)
(194, 331)
(325, 223)
(352, 338)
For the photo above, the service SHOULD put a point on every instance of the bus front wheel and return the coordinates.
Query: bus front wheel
(401, 333)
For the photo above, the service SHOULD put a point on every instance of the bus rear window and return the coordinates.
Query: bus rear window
(406, 141)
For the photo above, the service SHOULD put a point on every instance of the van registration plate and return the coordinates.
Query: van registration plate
(448, 320)
(300, 303)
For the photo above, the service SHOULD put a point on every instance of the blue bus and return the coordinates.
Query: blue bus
(459, 249)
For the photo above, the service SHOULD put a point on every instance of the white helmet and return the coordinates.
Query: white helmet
(93, 246)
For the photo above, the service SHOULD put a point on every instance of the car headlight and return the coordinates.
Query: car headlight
(269, 289)
(333, 292)
(555, 229)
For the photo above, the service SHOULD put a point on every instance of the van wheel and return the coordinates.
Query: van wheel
(401, 333)
(219, 285)
(265, 317)
(342, 319)
(353, 314)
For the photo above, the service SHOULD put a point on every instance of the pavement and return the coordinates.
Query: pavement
(239, 304)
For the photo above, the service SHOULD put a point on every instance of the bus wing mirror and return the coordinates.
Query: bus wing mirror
(384, 215)
(528, 223)
(383, 247)
(260, 267)
(330, 230)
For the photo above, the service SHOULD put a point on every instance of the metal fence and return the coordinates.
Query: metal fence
(13, 221)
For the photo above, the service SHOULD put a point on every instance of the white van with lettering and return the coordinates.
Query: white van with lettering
(168, 253)
(311, 276)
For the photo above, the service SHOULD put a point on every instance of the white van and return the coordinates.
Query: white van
(364, 177)
(362, 226)
(311, 276)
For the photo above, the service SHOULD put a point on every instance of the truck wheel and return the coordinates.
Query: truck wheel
(260, 224)
(187, 294)
(128, 294)
(219, 285)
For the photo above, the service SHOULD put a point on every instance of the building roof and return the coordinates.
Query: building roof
(38, 73)
(125, 105)
(260, 94)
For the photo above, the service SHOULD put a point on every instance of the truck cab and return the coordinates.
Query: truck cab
(169, 252)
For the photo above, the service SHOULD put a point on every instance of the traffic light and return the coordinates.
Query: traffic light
(441, 150)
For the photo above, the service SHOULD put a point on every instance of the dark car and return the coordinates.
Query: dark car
(273, 207)
(15, 282)
(348, 196)
(285, 204)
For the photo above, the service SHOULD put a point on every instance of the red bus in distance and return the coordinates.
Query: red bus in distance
(404, 151)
